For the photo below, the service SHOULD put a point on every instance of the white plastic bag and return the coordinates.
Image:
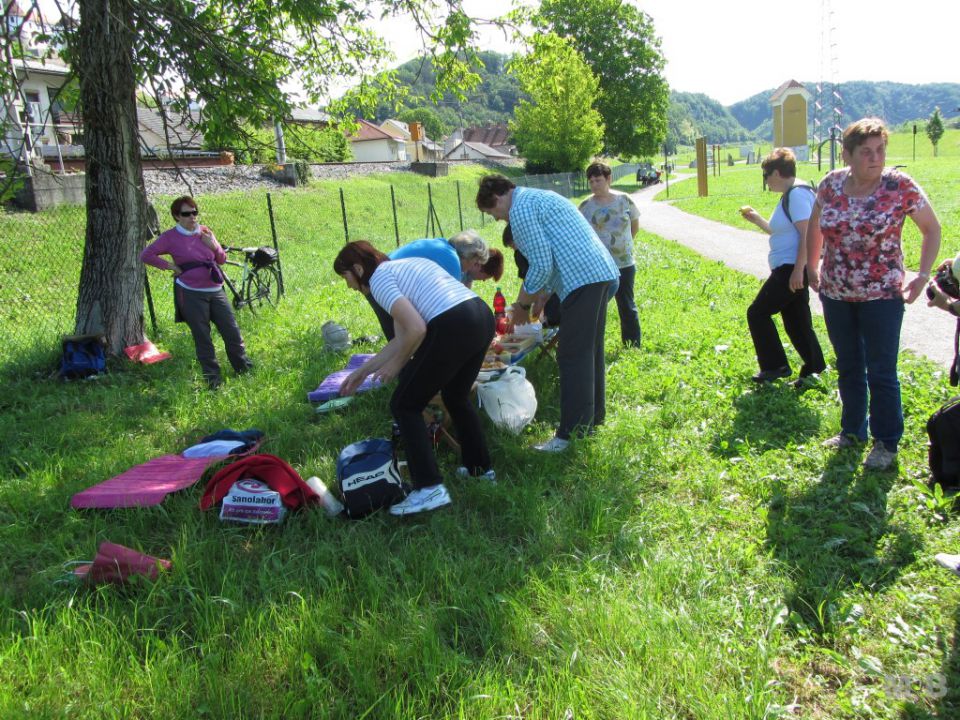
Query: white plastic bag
(510, 401)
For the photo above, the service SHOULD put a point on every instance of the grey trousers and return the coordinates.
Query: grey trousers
(583, 385)
(198, 310)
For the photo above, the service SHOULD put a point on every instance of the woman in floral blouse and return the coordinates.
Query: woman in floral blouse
(857, 221)
(615, 218)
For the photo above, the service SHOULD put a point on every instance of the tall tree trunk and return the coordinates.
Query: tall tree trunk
(110, 298)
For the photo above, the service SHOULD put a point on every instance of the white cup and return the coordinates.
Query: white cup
(327, 499)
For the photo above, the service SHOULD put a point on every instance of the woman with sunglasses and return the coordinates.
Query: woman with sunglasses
(198, 287)
(786, 228)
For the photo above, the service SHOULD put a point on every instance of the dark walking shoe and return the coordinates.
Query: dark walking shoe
(765, 376)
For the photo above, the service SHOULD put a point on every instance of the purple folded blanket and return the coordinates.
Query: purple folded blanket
(330, 387)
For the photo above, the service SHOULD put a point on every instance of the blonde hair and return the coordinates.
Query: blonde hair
(470, 245)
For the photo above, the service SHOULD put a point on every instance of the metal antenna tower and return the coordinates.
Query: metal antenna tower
(828, 106)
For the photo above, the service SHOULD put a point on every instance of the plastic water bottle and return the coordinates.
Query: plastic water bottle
(499, 304)
(330, 503)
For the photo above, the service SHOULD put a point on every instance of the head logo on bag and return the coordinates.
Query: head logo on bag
(369, 478)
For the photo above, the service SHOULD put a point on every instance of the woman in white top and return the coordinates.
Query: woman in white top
(787, 258)
(443, 331)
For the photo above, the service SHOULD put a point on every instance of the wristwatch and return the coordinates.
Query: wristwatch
(924, 275)
(523, 306)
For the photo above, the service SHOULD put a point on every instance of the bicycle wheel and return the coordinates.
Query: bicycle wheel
(262, 286)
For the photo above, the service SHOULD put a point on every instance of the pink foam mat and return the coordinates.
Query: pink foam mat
(145, 485)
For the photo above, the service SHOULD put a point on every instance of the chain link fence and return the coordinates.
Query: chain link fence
(41, 253)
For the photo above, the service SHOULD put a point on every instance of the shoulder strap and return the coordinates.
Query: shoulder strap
(785, 200)
(955, 368)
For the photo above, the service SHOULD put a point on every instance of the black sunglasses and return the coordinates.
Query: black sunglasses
(189, 213)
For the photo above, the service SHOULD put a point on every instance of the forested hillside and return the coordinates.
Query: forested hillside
(690, 115)
(490, 102)
(693, 115)
(894, 102)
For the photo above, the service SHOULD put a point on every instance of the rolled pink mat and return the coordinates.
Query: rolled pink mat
(116, 563)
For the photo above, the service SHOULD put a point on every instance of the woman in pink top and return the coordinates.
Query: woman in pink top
(857, 220)
(198, 287)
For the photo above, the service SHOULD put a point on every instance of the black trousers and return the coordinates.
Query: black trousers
(627, 307)
(775, 296)
(447, 362)
(580, 359)
(383, 317)
(198, 309)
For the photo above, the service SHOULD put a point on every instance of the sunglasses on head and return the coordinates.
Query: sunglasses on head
(189, 213)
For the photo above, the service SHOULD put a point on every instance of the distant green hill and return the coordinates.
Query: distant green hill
(491, 102)
(896, 103)
(691, 115)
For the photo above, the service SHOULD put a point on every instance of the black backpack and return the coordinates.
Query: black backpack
(369, 477)
(785, 201)
(82, 356)
(943, 427)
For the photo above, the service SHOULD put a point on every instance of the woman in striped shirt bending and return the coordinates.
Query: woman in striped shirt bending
(443, 331)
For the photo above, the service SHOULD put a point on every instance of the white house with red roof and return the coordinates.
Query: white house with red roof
(371, 144)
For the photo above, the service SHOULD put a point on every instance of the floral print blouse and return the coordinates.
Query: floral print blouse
(612, 224)
(862, 253)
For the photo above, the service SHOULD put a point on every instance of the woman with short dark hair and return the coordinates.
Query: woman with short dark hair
(615, 218)
(443, 331)
(857, 222)
(198, 287)
(786, 228)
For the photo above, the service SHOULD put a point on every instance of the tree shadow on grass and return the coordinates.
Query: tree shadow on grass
(770, 416)
(833, 534)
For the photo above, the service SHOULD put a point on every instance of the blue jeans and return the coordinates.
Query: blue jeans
(866, 339)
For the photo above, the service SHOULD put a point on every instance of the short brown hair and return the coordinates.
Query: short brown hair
(598, 169)
(494, 265)
(362, 253)
(491, 187)
(857, 132)
(782, 160)
(177, 205)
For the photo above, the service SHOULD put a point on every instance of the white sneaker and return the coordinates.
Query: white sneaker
(950, 562)
(553, 445)
(422, 499)
(490, 475)
(880, 458)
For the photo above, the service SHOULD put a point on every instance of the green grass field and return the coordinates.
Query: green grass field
(700, 557)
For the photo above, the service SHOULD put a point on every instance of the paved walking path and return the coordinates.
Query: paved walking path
(926, 331)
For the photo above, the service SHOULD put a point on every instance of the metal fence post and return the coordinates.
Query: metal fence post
(396, 227)
(343, 212)
(276, 246)
(459, 206)
(153, 314)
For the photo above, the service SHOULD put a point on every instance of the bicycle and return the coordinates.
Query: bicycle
(260, 280)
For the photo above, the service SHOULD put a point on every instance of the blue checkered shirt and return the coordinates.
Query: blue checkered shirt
(564, 251)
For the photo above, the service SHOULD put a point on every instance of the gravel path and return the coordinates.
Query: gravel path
(926, 331)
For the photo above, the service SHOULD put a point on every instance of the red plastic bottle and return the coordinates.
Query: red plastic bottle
(499, 304)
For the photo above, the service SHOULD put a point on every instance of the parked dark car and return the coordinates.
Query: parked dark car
(647, 174)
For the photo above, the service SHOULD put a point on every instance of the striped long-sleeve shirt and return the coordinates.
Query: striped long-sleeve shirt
(429, 288)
